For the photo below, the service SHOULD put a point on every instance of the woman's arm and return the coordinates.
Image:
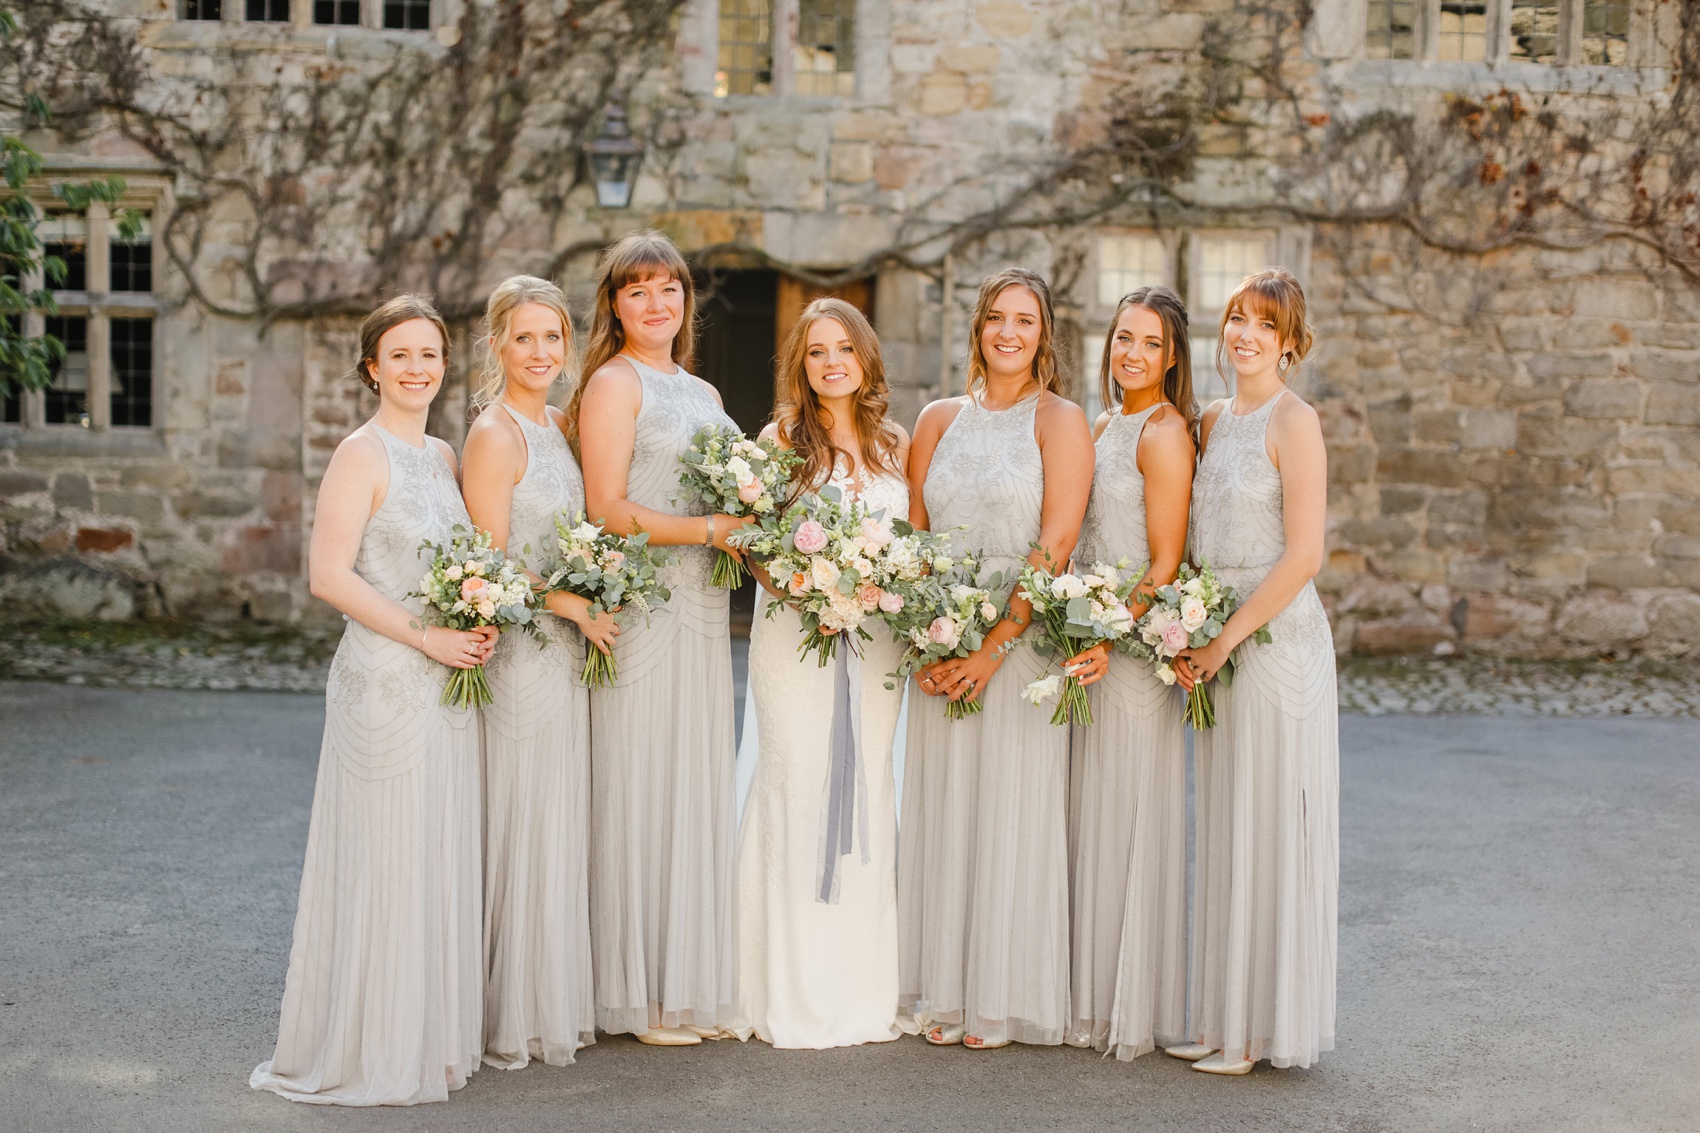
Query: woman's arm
(607, 430)
(1301, 457)
(929, 428)
(354, 487)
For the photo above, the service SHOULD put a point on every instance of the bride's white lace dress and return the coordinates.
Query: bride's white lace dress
(817, 939)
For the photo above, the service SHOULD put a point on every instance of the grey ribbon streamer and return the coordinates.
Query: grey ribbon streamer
(844, 777)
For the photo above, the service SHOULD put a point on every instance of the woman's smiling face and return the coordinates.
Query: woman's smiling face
(1010, 339)
(409, 366)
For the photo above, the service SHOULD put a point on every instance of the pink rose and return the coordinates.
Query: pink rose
(869, 596)
(810, 537)
(890, 602)
(749, 492)
(473, 589)
(613, 559)
(874, 533)
(1174, 637)
(943, 632)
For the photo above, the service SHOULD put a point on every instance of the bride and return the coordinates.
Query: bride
(817, 932)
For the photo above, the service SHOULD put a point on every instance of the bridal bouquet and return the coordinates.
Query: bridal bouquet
(615, 572)
(941, 612)
(1075, 612)
(736, 476)
(821, 553)
(1189, 613)
(470, 585)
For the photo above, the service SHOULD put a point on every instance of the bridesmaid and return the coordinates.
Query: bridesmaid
(382, 1003)
(519, 476)
(1127, 818)
(983, 857)
(1267, 860)
(817, 928)
(661, 810)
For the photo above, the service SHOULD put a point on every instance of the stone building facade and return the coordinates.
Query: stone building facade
(1514, 431)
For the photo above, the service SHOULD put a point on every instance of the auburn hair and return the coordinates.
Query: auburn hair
(508, 297)
(1177, 375)
(1045, 367)
(798, 413)
(632, 259)
(388, 316)
(1275, 295)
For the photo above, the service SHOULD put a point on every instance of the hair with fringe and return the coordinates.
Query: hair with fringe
(1273, 294)
(1045, 367)
(798, 412)
(1177, 377)
(508, 297)
(632, 259)
(388, 316)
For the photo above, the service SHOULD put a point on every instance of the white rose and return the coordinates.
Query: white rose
(1042, 689)
(453, 574)
(740, 470)
(961, 594)
(1068, 586)
(1119, 618)
(988, 612)
(1165, 674)
(824, 573)
(1193, 614)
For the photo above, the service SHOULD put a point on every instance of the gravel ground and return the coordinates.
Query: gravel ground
(249, 658)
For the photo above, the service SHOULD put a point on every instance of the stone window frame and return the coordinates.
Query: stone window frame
(149, 194)
(698, 46)
(444, 18)
(1497, 49)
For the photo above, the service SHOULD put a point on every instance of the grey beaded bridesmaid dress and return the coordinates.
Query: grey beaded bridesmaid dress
(661, 757)
(537, 993)
(382, 1003)
(1127, 813)
(1267, 778)
(983, 844)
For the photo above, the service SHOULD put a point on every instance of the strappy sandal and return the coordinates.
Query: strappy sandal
(980, 1044)
(949, 1034)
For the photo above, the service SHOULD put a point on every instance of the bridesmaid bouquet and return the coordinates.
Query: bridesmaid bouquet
(1075, 612)
(470, 585)
(615, 572)
(736, 476)
(821, 552)
(1189, 613)
(944, 612)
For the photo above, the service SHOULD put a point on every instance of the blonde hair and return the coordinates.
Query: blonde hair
(388, 316)
(1177, 378)
(632, 259)
(798, 414)
(508, 297)
(1273, 294)
(1046, 370)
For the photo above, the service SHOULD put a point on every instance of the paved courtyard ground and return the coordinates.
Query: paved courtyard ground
(1519, 921)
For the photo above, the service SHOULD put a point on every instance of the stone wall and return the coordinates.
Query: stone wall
(1514, 437)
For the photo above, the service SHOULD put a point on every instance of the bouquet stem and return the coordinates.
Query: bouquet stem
(962, 709)
(1200, 713)
(729, 572)
(1073, 707)
(600, 669)
(468, 688)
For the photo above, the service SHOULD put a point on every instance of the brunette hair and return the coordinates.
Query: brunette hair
(1045, 367)
(798, 413)
(509, 296)
(388, 316)
(1177, 377)
(1273, 294)
(632, 259)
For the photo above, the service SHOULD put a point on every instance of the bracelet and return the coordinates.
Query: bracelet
(708, 538)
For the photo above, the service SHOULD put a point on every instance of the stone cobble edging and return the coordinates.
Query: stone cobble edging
(253, 659)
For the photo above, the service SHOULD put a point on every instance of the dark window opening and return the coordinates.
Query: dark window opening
(202, 10)
(132, 265)
(408, 15)
(75, 255)
(67, 397)
(132, 372)
(12, 405)
(268, 11)
(345, 12)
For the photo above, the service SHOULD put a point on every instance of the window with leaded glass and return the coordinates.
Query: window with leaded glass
(268, 11)
(826, 47)
(1390, 31)
(408, 15)
(745, 64)
(344, 12)
(67, 397)
(132, 371)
